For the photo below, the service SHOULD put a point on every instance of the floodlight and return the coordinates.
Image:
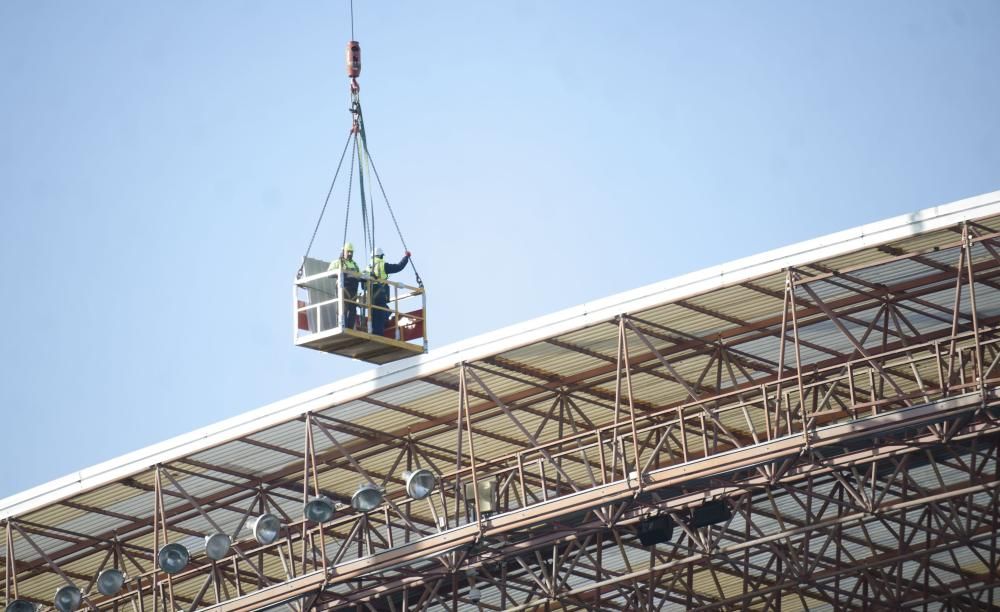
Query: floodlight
(474, 593)
(67, 598)
(266, 528)
(217, 546)
(173, 558)
(19, 605)
(110, 581)
(319, 509)
(366, 498)
(419, 483)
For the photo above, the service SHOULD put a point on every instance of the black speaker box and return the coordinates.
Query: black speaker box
(712, 513)
(656, 530)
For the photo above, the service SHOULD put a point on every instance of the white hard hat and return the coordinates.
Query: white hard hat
(379, 252)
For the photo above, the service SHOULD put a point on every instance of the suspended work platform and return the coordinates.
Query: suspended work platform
(323, 307)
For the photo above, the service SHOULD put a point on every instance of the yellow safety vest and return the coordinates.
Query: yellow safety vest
(377, 270)
(348, 264)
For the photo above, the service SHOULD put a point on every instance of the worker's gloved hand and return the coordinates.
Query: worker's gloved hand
(407, 253)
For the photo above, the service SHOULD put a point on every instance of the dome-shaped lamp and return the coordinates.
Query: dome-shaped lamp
(67, 598)
(173, 558)
(217, 546)
(110, 581)
(19, 605)
(419, 483)
(319, 509)
(366, 498)
(266, 528)
(475, 594)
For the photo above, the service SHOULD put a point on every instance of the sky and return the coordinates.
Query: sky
(163, 164)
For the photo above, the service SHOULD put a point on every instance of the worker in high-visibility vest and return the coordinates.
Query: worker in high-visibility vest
(380, 271)
(346, 263)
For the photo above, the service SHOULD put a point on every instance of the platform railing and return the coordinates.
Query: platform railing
(321, 303)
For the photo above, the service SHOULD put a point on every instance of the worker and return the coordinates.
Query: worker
(380, 271)
(346, 263)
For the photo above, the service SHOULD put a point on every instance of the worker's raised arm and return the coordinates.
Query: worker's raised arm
(393, 268)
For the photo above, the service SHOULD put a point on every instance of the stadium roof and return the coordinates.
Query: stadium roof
(530, 336)
(522, 366)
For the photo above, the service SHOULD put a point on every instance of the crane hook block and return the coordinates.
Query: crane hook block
(353, 59)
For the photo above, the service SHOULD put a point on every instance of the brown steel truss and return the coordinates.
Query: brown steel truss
(836, 446)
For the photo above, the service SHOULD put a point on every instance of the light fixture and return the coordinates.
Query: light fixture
(487, 496)
(655, 530)
(266, 528)
(366, 498)
(217, 546)
(419, 483)
(475, 594)
(173, 558)
(20, 605)
(67, 598)
(110, 581)
(319, 509)
(711, 513)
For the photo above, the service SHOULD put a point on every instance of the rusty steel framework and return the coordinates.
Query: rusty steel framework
(822, 434)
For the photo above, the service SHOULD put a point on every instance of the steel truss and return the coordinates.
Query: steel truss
(847, 437)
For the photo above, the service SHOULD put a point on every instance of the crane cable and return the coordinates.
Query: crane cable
(368, 234)
(325, 203)
(350, 184)
(366, 152)
(392, 214)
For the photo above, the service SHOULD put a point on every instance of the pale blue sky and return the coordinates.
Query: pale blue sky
(162, 165)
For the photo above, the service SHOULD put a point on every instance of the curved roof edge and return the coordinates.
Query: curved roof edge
(501, 340)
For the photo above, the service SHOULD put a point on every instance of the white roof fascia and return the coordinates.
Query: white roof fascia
(499, 341)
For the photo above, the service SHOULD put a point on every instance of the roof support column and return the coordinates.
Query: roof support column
(158, 534)
(307, 457)
(463, 400)
(967, 245)
(624, 355)
(782, 335)
(10, 567)
(315, 479)
(790, 288)
(956, 313)
(459, 435)
(995, 521)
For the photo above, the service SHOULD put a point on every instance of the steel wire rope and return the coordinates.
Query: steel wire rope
(326, 202)
(368, 237)
(392, 215)
(364, 161)
(350, 183)
(368, 178)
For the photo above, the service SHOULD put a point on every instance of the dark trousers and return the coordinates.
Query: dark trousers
(380, 300)
(350, 308)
